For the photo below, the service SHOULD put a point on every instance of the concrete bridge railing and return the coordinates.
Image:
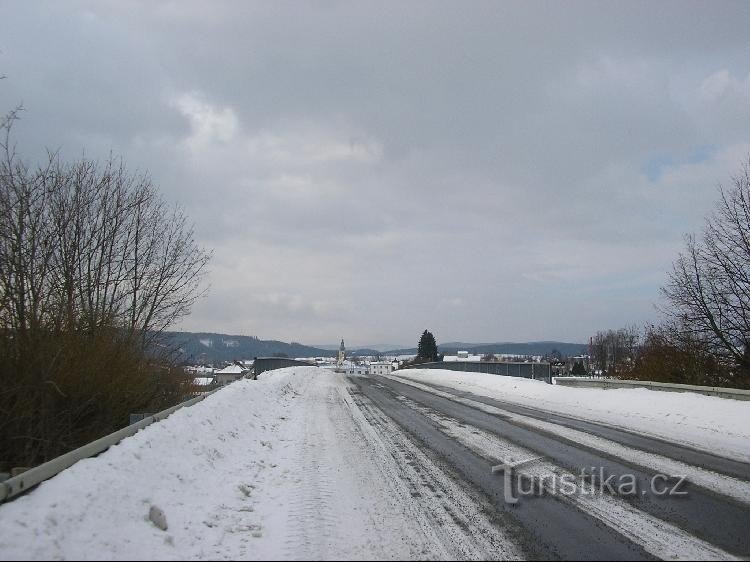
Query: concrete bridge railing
(584, 382)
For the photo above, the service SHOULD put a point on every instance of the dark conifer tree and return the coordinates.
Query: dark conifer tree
(427, 348)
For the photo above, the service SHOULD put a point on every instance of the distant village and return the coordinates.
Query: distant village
(207, 376)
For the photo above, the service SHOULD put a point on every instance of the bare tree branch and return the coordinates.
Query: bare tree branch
(709, 286)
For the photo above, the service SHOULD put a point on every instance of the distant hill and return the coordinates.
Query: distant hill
(380, 347)
(205, 347)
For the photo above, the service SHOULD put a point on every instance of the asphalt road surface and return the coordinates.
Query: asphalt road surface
(558, 487)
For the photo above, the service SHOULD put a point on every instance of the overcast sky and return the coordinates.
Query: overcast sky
(489, 171)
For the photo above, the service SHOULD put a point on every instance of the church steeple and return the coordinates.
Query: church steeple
(342, 353)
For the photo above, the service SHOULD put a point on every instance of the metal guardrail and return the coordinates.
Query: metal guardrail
(721, 392)
(23, 482)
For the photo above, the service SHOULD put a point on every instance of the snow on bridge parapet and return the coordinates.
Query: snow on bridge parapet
(586, 382)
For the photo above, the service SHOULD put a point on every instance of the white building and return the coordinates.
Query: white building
(381, 368)
(463, 356)
(230, 374)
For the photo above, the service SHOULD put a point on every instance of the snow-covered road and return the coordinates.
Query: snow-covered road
(306, 463)
(717, 425)
(284, 467)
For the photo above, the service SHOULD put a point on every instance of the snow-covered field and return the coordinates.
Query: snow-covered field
(717, 425)
(284, 467)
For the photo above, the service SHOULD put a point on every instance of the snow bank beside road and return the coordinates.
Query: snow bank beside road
(198, 463)
(716, 425)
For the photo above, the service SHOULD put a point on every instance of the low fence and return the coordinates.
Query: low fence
(263, 364)
(23, 482)
(585, 382)
(537, 371)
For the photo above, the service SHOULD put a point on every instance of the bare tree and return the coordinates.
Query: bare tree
(614, 351)
(709, 286)
(84, 246)
(123, 257)
(93, 266)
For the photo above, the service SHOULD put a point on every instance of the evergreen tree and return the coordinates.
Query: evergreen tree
(427, 348)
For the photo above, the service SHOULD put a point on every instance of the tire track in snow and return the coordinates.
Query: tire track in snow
(455, 523)
(311, 518)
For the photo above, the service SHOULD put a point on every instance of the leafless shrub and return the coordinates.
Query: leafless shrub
(613, 352)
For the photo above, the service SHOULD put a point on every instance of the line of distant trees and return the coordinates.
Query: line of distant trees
(705, 338)
(94, 265)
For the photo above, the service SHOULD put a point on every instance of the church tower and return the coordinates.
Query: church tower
(342, 354)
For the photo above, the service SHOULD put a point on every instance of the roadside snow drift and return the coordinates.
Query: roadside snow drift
(201, 464)
(717, 425)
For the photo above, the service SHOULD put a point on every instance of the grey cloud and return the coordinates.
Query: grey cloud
(509, 170)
